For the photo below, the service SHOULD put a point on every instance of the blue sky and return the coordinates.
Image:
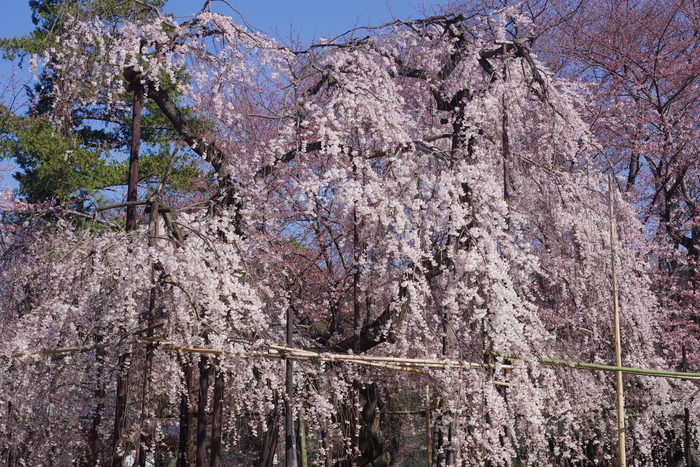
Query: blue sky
(311, 18)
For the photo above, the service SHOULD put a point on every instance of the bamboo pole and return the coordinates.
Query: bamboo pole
(686, 421)
(621, 369)
(618, 343)
(392, 363)
(303, 454)
(306, 354)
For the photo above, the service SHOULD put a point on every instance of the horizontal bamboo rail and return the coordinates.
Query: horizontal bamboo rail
(611, 368)
(289, 352)
(414, 365)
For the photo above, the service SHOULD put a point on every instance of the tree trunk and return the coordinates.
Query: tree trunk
(428, 427)
(217, 418)
(145, 437)
(201, 459)
(270, 439)
(373, 449)
(184, 451)
(120, 412)
(94, 440)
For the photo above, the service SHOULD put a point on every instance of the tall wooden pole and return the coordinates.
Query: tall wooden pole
(145, 437)
(618, 345)
(132, 195)
(132, 187)
(428, 427)
(10, 446)
(290, 445)
(686, 420)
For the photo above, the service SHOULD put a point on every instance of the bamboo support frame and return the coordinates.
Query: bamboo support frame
(392, 363)
(618, 343)
(398, 361)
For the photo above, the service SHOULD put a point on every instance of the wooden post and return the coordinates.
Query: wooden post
(289, 445)
(686, 420)
(618, 345)
(10, 447)
(145, 437)
(132, 195)
(428, 433)
(132, 188)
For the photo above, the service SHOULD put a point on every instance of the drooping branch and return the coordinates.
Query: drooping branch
(379, 330)
(286, 158)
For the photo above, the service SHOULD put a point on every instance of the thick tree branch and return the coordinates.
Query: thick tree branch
(228, 192)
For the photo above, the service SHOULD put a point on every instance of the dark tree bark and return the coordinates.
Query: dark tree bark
(270, 440)
(374, 452)
(186, 428)
(94, 440)
(120, 413)
(201, 458)
(217, 418)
